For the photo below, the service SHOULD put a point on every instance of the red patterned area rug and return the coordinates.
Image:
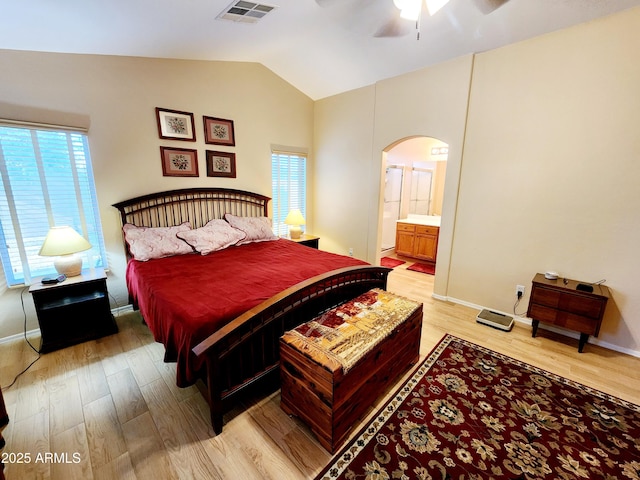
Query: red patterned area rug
(390, 262)
(471, 413)
(428, 268)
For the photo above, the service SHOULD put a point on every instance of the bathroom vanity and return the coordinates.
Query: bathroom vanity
(417, 237)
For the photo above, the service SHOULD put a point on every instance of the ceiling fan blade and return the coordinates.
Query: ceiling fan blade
(327, 3)
(488, 6)
(379, 18)
(395, 27)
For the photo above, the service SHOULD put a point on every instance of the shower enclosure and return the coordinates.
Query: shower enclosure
(392, 202)
(398, 204)
(420, 199)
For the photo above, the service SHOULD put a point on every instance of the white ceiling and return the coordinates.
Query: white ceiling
(321, 51)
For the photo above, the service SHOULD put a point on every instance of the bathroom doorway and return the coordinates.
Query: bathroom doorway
(414, 183)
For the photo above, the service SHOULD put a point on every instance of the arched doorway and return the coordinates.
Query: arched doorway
(414, 175)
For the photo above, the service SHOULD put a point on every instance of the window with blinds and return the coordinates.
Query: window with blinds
(46, 180)
(289, 186)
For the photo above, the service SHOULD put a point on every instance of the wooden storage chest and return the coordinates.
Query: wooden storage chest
(335, 367)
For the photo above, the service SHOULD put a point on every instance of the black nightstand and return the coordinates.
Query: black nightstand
(307, 240)
(73, 311)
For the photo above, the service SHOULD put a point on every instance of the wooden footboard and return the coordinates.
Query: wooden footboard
(246, 350)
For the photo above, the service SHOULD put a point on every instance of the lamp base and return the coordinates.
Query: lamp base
(69, 265)
(295, 232)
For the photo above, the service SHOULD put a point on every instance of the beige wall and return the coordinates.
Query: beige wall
(346, 187)
(117, 96)
(542, 174)
(430, 102)
(362, 124)
(438, 186)
(550, 171)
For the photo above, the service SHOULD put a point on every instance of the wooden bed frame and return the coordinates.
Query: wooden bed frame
(245, 353)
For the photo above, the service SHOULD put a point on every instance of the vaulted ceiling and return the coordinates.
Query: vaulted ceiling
(321, 47)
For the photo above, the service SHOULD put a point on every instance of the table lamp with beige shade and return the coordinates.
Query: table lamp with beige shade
(294, 220)
(63, 243)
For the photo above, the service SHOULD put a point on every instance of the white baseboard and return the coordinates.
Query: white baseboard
(17, 336)
(551, 328)
(36, 331)
(119, 310)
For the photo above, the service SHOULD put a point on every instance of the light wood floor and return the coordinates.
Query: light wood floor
(111, 409)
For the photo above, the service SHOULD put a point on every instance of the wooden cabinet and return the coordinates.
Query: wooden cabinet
(426, 244)
(405, 239)
(73, 311)
(562, 303)
(417, 241)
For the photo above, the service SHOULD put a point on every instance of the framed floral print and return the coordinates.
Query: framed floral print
(179, 162)
(221, 164)
(175, 125)
(218, 131)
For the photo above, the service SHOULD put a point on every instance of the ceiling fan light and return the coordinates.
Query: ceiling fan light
(434, 5)
(411, 9)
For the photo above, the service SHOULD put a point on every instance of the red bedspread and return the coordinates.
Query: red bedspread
(186, 298)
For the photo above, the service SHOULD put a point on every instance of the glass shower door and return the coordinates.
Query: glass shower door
(420, 199)
(392, 200)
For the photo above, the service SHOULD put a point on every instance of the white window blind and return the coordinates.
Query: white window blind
(45, 180)
(289, 185)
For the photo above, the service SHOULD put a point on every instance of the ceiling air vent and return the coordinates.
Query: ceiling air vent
(246, 12)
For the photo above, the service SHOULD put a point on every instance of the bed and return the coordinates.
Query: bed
(220, 315)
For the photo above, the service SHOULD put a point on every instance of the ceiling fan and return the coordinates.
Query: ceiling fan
(393, 18)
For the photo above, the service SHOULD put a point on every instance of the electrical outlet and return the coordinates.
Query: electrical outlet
(519, 290)
(351, 252)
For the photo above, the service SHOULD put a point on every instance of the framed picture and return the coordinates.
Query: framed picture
(218, 131)
(179, 162)
(175, 125)
(221, 164)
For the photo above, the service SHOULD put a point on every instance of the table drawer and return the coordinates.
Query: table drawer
(405, 227)
(571, 302)
(564, 319)
(427, 230)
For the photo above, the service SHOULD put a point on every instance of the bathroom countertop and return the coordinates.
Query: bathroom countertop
(429, 220)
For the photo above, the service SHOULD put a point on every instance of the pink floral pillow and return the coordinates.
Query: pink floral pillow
(146, 243)
(215, 235)
(257, 229)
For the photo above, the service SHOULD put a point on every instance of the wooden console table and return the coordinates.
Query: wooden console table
(561, 303)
